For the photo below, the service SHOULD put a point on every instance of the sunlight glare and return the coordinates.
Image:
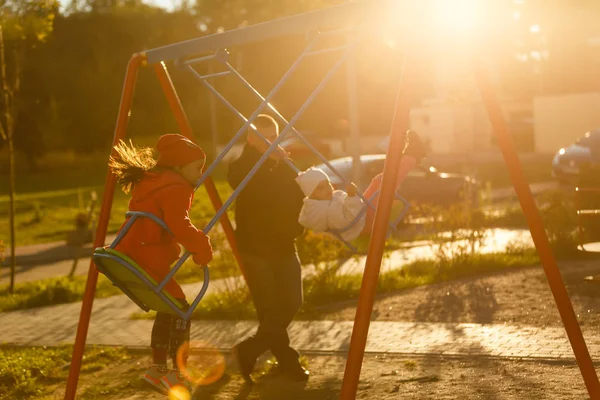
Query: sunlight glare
(203, 368)
(455, 15)
(179, 393)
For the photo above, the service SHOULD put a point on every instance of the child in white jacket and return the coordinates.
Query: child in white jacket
(326, 209)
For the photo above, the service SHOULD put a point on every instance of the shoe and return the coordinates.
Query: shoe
(296, 373)
(153, 376)
(175, 382)
(245, 362)
(415, 146)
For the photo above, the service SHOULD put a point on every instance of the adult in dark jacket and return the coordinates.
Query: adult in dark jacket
(266, 216)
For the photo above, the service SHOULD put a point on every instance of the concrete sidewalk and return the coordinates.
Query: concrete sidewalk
(110, 325)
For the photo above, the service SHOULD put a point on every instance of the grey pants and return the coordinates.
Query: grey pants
(275, 284)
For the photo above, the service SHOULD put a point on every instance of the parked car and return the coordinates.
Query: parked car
(424, 185)
(298, 150)
(582, 156)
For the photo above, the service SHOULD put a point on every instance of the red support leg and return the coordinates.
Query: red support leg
(538, 233)
(377, 242)
(109, 190)
(186, 130)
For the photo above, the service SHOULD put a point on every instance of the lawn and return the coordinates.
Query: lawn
(47, 203)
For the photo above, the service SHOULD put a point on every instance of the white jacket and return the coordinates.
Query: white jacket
(335, 214)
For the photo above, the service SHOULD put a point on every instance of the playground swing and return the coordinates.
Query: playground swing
(135, 282)
(128, 276)
(222, 56)
(359, 12)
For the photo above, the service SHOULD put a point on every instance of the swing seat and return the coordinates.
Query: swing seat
(136, 283)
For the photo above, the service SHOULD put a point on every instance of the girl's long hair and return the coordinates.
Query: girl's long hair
(130, 163)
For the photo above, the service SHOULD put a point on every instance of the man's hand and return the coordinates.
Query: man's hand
(279, 154)
(351, 189)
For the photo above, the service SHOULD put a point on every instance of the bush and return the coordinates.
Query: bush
(560, 220)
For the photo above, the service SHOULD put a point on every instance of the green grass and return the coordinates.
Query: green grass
(328, 288)
(30, 372)
(64, 290)
(51, 291)
(47, 216)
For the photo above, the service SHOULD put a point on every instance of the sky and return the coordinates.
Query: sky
(167, 4)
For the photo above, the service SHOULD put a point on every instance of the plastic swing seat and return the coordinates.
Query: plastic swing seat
(136, 283)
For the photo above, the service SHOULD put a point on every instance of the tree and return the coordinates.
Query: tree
(23, 24)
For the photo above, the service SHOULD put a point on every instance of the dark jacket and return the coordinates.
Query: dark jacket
(267, 209)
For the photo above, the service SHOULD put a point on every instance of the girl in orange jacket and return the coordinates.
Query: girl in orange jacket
(163, 187)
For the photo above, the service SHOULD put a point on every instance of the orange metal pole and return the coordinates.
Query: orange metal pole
(186, 130)
(109, 190)
(377, 242)
(538, 233)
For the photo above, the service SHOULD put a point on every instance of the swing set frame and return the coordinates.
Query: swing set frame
(343, 15)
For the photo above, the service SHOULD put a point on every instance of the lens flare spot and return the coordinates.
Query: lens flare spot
(179, 393)
(203, 367)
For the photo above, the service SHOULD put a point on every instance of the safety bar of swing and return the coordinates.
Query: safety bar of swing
(341, 15)
(133, 216)
(244, 127)
(294, 130)
(276, 142)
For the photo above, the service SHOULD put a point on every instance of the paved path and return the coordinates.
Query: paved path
(111, 326)
(43, 268)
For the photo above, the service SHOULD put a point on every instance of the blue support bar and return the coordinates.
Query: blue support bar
(275, 143)
(329, 50)
(191, 61)
(244, 127)
(214, 75)
(174, 270)
(351, 13)
(294, 130)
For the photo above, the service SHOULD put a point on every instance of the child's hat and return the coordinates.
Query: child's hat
(309, 179)
(176, 150)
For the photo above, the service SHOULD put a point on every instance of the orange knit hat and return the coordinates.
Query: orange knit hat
(176, 150)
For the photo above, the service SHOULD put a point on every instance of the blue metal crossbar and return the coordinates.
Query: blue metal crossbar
(298, 135)
(265, 103)
(133, 216)
(351, 13)
(275, 143)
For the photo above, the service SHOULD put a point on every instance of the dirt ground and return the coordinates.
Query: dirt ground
(384, 377)
(516, 297)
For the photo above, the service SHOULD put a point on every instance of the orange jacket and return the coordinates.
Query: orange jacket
(168, 196)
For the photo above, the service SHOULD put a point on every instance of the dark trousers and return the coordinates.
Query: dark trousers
(275, 284)
(169, 332)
